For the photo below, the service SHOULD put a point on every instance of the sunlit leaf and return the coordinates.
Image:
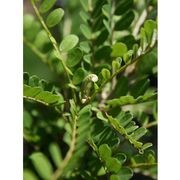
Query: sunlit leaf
(105, 152)
(42, 165)
(119, 49)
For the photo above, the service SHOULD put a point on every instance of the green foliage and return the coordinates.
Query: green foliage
(42, 165)
(96, 118)
(54, 17)
(35, 90)
(46, 5)
(119, 49)
(74, 57)
(69, 42)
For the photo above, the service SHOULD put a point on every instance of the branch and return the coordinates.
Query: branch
(119, 71)
(69, 154)
(142, 165)
(55, 45)
(151, 124)
(36, 100)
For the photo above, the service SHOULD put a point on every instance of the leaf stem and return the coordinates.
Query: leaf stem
(94, 147)
(69, 154)
(55, 45)
(36, 100)
(142, 165)
(151, 124)
(119, 71)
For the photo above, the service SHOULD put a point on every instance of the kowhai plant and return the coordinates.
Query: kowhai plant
(90, 90)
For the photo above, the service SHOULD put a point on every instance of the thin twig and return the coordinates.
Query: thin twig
(142, 165)
(151, 124)
(69, 154)
(119, 71)
(94, 147)
(36, 100)
(55, 45)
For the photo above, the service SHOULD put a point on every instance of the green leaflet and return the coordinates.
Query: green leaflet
(84, 45)
(144, 41)
(119, 49)
(74, 57)
(42, 165)
(79, 76)
(133, 137)
(125, 21)
(148, 158)
(124, 100)
(55, 154)
(103, 53)
(54, 17)
(86, 31)
(106, 74)
(106, 10)
(129, 40)
(85, 4)
(106, 24)
(102, 37)
(124, 174)
(113, 165)
(27, 120)
(38, 95)
(147, 68)
(103, 134)
(123, 6)
(69, 42)
(46, 5)
(105, 152)
(41, 40)
(31, 27)
(139, 133)
(27, 21)
(149, 27)
(29, 175)
(139, 87)
(85, 16)
(114, 177)
(116, 64)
